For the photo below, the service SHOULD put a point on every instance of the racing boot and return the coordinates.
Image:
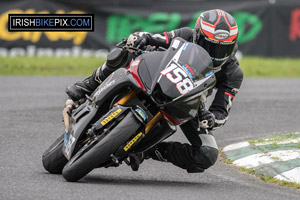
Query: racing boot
(135, 160)
(78, 90)
(157, 152)
(115, 60)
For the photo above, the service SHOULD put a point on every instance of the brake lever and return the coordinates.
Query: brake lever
(135, 50)
(122, 43)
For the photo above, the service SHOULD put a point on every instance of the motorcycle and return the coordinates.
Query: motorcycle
(134, 109)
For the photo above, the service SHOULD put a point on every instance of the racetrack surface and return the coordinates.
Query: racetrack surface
(30, 120)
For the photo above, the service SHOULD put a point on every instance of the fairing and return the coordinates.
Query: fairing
(177, 77)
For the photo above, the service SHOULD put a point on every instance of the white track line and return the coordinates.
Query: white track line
(266, 158)
(236, 146)
(287, 141)
(245, 144)
(291, 175)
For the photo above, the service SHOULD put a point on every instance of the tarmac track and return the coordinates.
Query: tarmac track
(30, 120)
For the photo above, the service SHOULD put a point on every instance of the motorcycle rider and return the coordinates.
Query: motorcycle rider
(216, 31)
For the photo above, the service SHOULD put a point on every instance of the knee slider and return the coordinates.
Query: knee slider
(207, 157)
(195, 169)
(212, 155)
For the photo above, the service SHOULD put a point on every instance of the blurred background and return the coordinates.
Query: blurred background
(32, 95)
(267, 29)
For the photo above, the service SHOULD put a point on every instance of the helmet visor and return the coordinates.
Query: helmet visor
(219, 51)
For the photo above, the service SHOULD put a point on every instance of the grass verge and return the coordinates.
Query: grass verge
(270, 67)
(49, 66)
(79, 66)
(268, 179)
(272, 140)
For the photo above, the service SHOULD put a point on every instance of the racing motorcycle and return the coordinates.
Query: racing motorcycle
(134, 109)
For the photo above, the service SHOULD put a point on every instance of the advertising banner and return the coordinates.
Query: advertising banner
(266, 27)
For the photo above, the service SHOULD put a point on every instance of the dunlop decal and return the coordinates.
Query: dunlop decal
(110, 117)
(132, 141)
(141, 113)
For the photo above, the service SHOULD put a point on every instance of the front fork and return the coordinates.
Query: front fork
(128, 97)
(149, 125)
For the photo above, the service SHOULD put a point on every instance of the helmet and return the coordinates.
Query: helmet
(216, 31)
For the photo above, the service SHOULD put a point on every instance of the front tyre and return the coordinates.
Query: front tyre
(53, 159)
(99, 150)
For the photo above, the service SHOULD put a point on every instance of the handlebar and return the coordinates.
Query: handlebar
(136, 50)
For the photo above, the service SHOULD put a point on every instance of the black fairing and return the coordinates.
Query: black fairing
(177, 90)
(113, 85)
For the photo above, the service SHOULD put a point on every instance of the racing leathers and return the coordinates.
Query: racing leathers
(202, 152)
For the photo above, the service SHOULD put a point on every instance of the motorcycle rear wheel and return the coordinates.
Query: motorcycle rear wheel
(53, 159)
(99, 150)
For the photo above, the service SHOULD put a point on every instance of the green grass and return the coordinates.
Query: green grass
(270, 67)
(49, 66)
(55, 66)
(274, 139)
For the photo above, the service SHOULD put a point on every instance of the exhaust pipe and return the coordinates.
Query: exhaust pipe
(68, 107)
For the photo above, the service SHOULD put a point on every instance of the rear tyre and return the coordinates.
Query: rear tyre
(99, 150)
(53, 159)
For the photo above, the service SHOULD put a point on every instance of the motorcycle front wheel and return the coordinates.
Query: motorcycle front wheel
(99, 150)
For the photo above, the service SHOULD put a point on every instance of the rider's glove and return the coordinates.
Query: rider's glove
(206, 119)
(138, 39)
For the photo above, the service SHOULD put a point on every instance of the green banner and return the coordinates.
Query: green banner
(265, 29)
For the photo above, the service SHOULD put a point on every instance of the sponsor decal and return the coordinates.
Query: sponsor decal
(188, 70)
(209, 73)
(107, 85)
(66, 138)
(68, 145)
(219, 42)
(141, 113)
(221, 35)
(175, 44)
(135, 63)
(132, 141)
(111, 116)
(185, 46)
(220, 59)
